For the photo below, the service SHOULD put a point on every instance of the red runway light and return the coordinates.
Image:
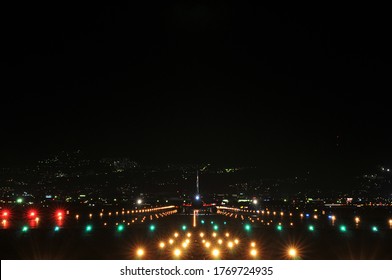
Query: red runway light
(5, 214)
(60, 214)
(32, 214)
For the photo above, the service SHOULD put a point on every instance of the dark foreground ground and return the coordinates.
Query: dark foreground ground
(72, 241)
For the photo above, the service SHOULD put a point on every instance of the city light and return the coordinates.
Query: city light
(253, 244)
(207, 244)
(189, 234)
(176, 234)
(357, 220)
(236, 241)
(220, 241)
(162, 245)
(230, 244)
(202, 234)
(171, 241)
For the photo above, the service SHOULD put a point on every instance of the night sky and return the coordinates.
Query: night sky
(282, 87)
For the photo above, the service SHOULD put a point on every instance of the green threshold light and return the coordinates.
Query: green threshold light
(120, 228)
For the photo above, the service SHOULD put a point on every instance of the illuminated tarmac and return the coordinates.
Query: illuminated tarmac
(164, 233)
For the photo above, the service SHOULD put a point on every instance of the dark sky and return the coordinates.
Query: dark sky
(285, 87)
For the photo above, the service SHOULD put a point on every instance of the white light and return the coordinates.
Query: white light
(292, 252)
(140, 252)
(197, 197)
(177, 252)
(139, 201)
(215, 252)
(255, 201)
